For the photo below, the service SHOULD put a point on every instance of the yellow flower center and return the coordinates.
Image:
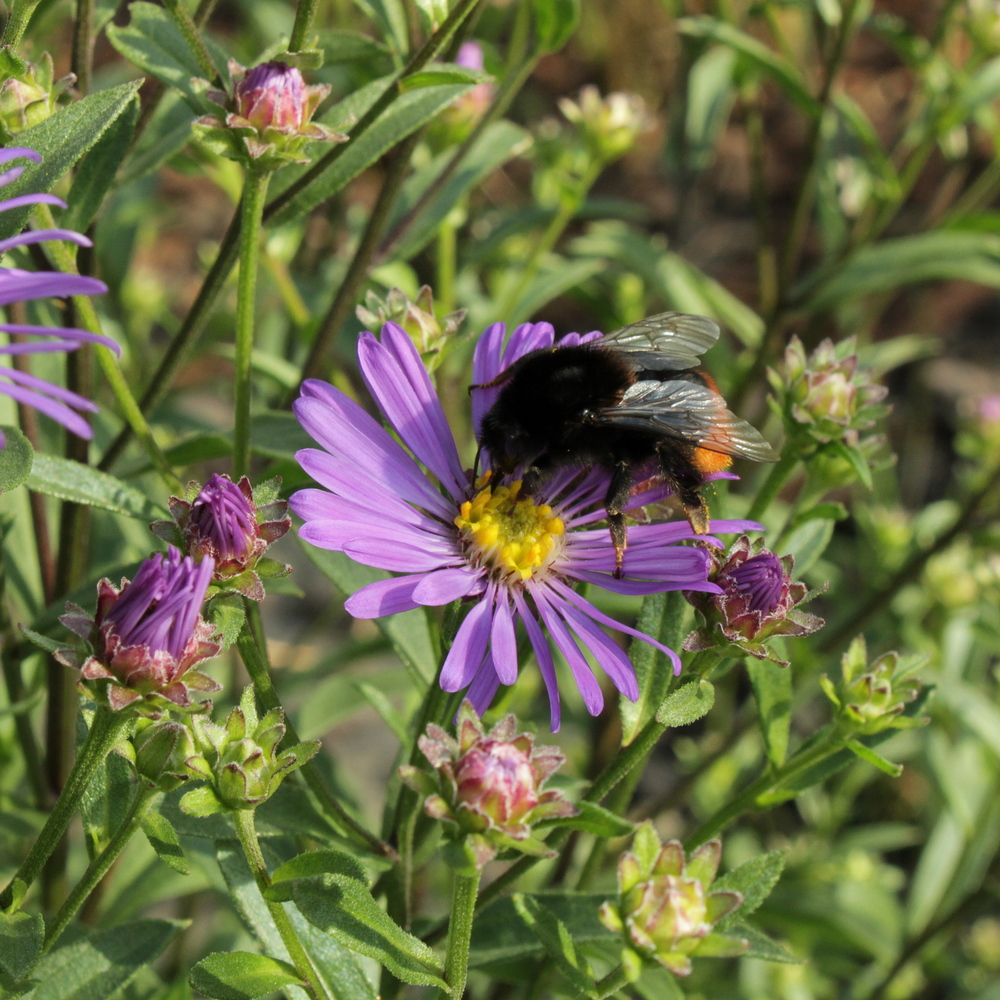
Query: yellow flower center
(511, 535)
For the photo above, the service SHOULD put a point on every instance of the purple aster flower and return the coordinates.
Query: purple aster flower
(452, 537)
(22, 286)
(760, 580)
(146, 635)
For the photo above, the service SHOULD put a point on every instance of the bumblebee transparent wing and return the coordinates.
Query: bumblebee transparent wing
(691, 412)
(669, 341)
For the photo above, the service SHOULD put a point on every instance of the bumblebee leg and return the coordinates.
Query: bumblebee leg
(679, 471)
(619, 490)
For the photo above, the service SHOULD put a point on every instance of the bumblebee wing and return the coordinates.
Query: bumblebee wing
(691, 412)
(669, 341)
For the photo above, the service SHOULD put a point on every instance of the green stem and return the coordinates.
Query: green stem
(447, 247)
(257, 668)
(610, 984)
(312, 984)
(17, 21)
(192, 36)
(251, 210)
(305, 14)
(83, 44)
(66, 261)
(101, 864)
(106, 731)
(771, 487)
(464, 890)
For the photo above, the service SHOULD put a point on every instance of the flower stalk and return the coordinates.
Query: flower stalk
(251, 211)
(464, 890)
(19, 14)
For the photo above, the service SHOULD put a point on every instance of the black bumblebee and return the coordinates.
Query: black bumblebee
(631, 399)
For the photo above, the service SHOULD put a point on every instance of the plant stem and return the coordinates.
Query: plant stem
(305, 14)
(610, 984)
(464, 890)
(19, 14)
(192, 36)
(253, 659)
(100, 865)
(312, 984)
(447, 245)
(83, 44)
(771, 487)
(106, 731)
(251, 209)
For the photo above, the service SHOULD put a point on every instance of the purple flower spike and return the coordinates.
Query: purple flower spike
(16, 285)
(146, 636)
(453, 537)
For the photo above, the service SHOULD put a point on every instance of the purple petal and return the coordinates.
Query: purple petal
(503, 643)
(16, 152)
(384, 597)
(316, 504)
(544, 657)
(485, 368)
(20, 286)
(340, 534)
(593, 699)
(605, 650)
(470, 645)
(526, 338)
(443, 586)
(9, 176)
(57, 411)
(408, 401)
(31, 199)
(41, 235)
(724, 526)
(70, 337)
(389, 551)
(484, 686)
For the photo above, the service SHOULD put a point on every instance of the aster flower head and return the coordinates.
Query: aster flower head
(146, 637)
(609, 126)
(665, 911)
(758, 600)
(452, 537)
(17, 285)
(267, 120)
(489, 786)
(232, 524)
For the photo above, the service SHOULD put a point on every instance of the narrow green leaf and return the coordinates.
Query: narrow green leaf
(390, 17)
(163, 839)
(165, 135)
(241, 975)
(344, 908)
(555, 22)
(595, 819)
(690, 702)
(557, 942)
(315, 863)
(435, 74)
(808, 542)
(15, 459)
(772, 688)
(96, 171)
(386, 711)
(68, 480)
(753, 880)
(62, 139)
(21, 937)
(341, 46)
(876, 759)
(761, 946)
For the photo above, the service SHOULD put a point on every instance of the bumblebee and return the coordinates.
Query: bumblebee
(635, 402)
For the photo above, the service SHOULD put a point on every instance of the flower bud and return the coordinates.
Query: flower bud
(146, 636)
(489, 785)
(872, 697)
(232, 525)
(664, 910)
(458, 119)
(609, 126)
(240, 760)
(758, 600)
(428, 333)
(28, 92)
(161, 750)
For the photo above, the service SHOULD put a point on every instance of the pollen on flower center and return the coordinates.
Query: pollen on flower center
(511, 535)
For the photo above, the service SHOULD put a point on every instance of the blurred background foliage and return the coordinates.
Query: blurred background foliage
(826, 169)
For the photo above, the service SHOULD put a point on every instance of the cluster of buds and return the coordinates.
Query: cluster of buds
(664, 909)
(429, 334)
(146, 637)
(871, 697)
(159, 754)
(267, 120)
(826, 397)
(240, 761)
(759, 600)
(609, 126)
(488, 788)
(29, 92)
(231, 525)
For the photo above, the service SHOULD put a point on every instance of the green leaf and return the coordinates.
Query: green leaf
(753, 880)
(15, 458)
(757, 56)
(408, 631)
(21, 936)
(808, 542)
(97, 966)
(62, 139)
(340, 46)
(557, 941)
(855, 459)
(227, 613)
(555, 22)
(386, 711)
(165, 135)
(390, 17)
(277, 435)
(876, 759)
(761, 946)
(772, 687)
(96, 171)
(153, 42)
(709, 100)
(499, 143)
(658, 983)
(68, 480)
(202, 801)
(313, 864)
(405, 115)
(662, 617)
(163, 839)
(595, 819)
(344, 908)
(437, 73)
(240, 975)
(690, 702)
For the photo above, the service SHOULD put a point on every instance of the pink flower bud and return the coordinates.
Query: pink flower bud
(273, 95)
